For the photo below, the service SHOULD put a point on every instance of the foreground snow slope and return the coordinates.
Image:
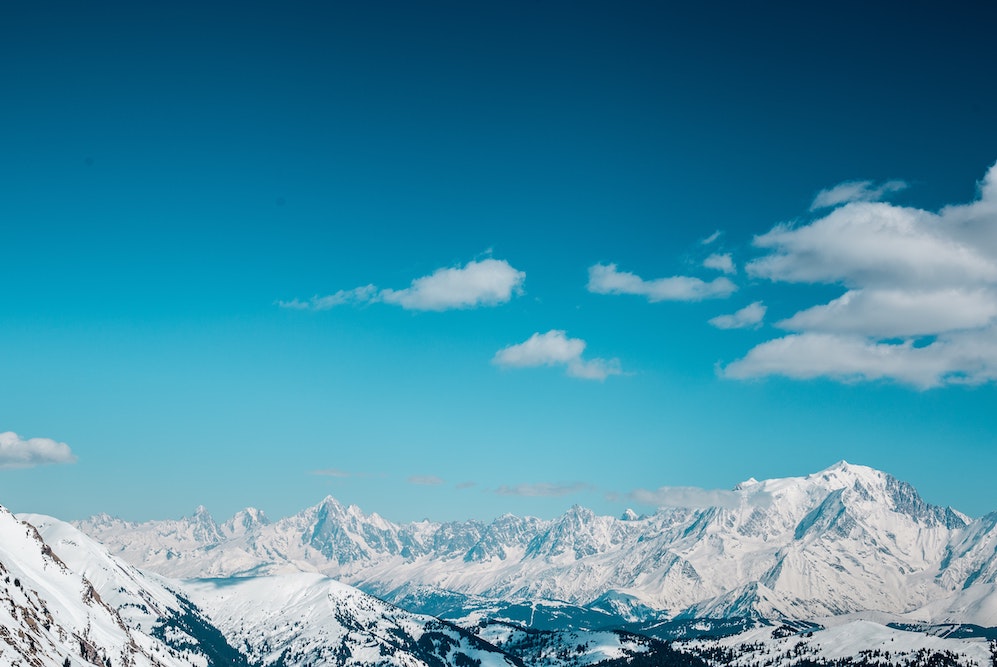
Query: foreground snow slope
(52, 615)
(856, 641)
(305, 619)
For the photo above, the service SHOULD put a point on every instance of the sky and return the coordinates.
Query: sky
(452, 260)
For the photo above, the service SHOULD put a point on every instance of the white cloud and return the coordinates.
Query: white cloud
(18, 452)
(606, 279)
(697, 498)
(873, 245)
(543, 489)
(967, 358)
(749, 316)
(720, 262)
(487, 282)
(919, 304)
(712, 237)
(425, 480)
(852, 191)
(554, 348)
(894, 313)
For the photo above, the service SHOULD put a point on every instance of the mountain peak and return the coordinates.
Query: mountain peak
(846, 473)
(245, 521)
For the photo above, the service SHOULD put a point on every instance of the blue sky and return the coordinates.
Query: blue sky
(458, 259)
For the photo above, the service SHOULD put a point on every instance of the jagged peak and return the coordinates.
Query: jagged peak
(579, 510)
(329, 502)
(249, 516)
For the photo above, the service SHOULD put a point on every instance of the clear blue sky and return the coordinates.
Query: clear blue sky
(181, 185)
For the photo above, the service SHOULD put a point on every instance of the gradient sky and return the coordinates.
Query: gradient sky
(456, 259)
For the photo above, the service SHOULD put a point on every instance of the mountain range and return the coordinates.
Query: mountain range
(848, 539)
(848, 566)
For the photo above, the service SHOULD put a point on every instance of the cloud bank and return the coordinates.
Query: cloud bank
(18, 452)
(554, 348)
(607, 279)
(919, 304)
(488, 282)
(696, 498)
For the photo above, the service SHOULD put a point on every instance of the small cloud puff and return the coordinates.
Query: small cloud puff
(749, 316)
(487, 282)
(852, 191)
(554, 348)
(720, 262)
(18, 452)
(607, 279)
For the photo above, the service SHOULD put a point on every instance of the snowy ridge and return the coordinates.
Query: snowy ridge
(52, 615)
(844, 540)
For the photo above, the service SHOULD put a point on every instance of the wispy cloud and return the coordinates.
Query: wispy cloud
(332, 472)
(425, 480)
(852, 191)
(18, 452)
(465, 485)
(340, 474)
(697, 498)
(712, 237)
(486, 282)
(554, 348)
(749, 316)
(919, 301)
(354, 296)
(544, 489)
(607, 279)
(720, 262)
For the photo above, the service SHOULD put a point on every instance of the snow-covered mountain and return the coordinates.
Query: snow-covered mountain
(844, 540)
(53, 615)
